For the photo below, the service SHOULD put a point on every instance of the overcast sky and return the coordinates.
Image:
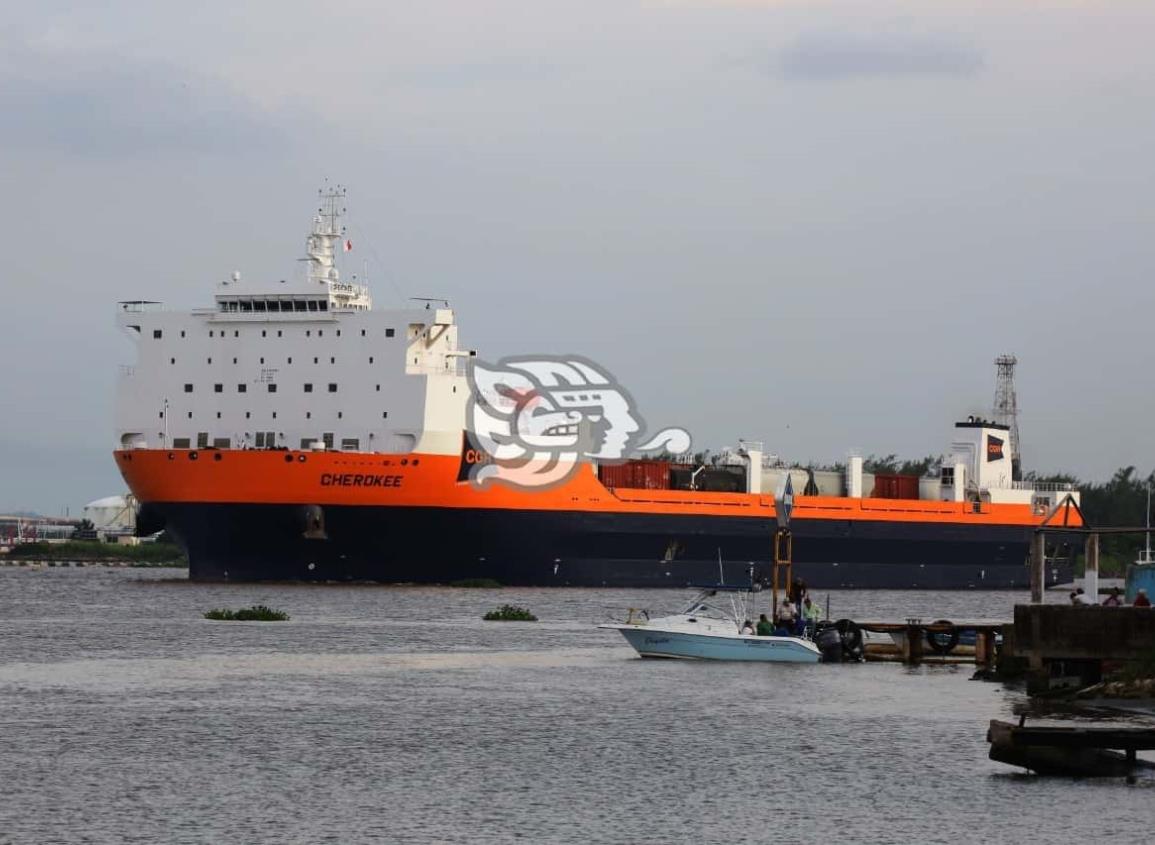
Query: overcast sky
(810, 223)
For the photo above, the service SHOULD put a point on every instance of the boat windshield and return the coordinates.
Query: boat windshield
(705, 605)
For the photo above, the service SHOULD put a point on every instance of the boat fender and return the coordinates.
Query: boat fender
(852, 644)
(942, 642)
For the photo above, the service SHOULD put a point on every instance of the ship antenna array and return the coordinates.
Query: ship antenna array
(1006, 408)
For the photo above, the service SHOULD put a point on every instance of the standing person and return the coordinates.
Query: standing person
(1113, 600)
(811, 615)
(1141, 599)
(787, 614)
(797, 591)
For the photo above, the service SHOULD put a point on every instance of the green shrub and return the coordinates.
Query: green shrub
(256, 613)
(510, 613)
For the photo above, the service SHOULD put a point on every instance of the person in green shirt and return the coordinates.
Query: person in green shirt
(811, 615)
(765, 629)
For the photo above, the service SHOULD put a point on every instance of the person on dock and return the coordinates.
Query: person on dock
(1141, 599)
(1115, 599)
(765, 629)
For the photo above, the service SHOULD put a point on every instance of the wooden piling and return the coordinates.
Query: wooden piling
(1038, 566)
(1091, 568)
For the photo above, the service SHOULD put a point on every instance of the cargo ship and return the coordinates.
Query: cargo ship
(293, 432)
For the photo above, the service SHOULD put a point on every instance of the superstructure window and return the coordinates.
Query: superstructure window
(157, 333)
(362, 332)
(209, 360)
(188, 388)
(320, 332)
(279, 333)
(308, 388)
(182, 332)
(332, 388)
(202, 439)
(221, 442)
(272, 388)
(350, 444)
(242, 388)
(264, 333)
(389, 332)
(338, 332)
(211, 334)
(218, 388)
(172, 360)
(180, 443)
(327, 439)
(332, 360)
(384, 415)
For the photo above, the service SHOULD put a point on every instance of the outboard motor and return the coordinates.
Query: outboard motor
(829, 642)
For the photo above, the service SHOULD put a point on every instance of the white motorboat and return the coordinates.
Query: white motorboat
(709, 630)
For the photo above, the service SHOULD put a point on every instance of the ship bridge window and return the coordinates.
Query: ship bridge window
(323, 305)
(156, 333)
(312, 305)
(246, 305)
(299, 305)
(259, 305)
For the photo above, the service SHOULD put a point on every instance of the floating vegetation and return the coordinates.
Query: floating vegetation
(479, 583)
(256, 613)
(510, 613)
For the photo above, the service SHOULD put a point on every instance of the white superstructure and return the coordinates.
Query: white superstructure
(294, 364)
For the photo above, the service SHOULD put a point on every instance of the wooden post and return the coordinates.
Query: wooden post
(783, 554)
(1038, 566)
(912, 648)
(1091, 568)
(984, 648)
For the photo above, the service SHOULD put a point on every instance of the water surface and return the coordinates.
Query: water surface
(394, 714)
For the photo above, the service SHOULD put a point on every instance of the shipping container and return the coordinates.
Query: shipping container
(895, 486)
(636, 475)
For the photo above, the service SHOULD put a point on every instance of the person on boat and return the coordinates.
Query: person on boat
(1141, 599)
(1115, 599)
(765, 629)
(747, 628)
(787, 614)
(797, 591)
(811, 615)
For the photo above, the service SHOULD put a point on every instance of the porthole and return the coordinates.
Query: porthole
(288, 459)
(192, 456)
(216, 456)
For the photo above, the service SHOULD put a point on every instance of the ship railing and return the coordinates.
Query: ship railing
(1044, 486)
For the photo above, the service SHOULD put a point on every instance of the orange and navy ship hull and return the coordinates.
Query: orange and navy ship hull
(249, 515)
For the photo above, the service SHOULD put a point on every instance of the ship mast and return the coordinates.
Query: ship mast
(320, 245)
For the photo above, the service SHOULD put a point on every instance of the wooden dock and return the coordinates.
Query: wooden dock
(1071, 751)
(915, 641)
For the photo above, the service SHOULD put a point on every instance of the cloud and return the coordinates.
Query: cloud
(105, 104)
(840, 56)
